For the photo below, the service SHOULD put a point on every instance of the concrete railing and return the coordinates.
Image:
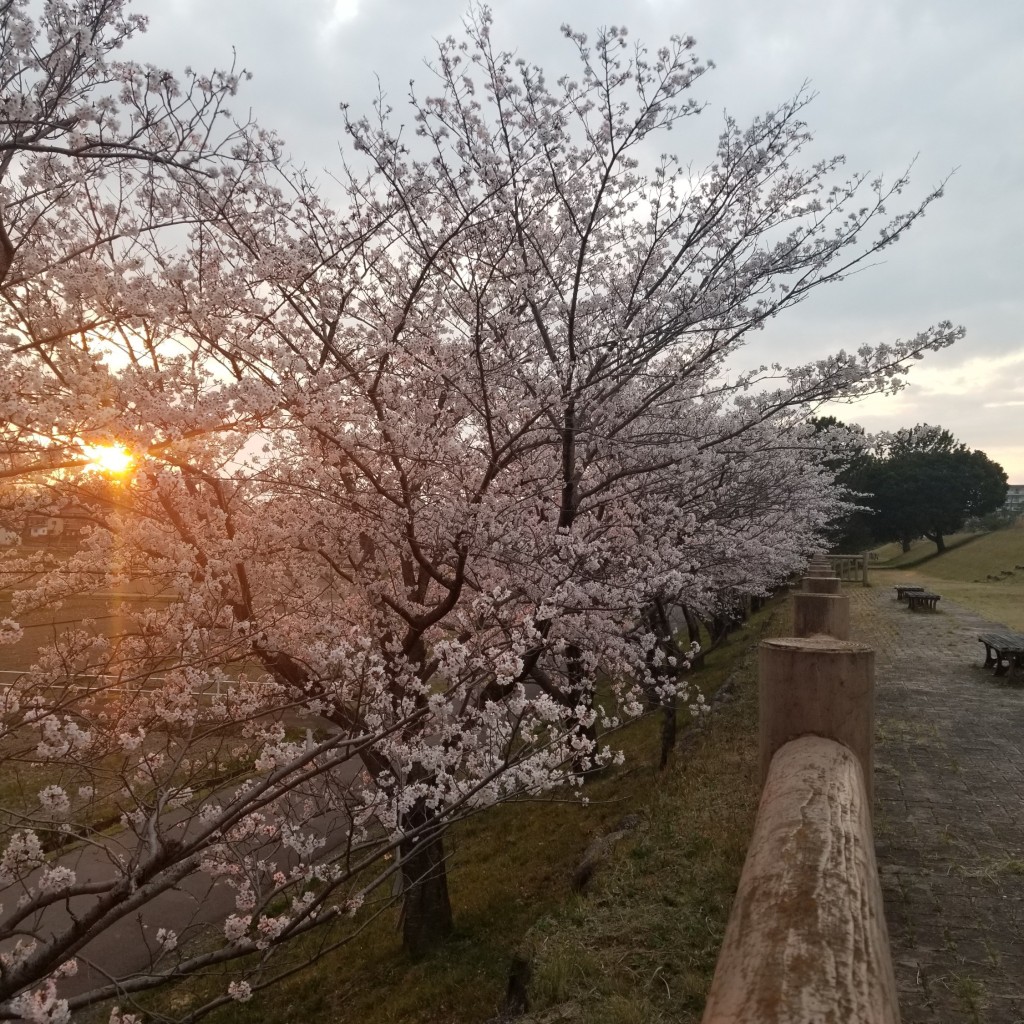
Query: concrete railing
(806, 940)
(851, 567)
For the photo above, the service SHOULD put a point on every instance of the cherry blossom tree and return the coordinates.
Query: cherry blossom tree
(93, 151)
(418, 462)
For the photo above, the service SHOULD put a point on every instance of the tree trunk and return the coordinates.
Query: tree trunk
(692, 625)
(656, 619)
(718, 628)
(693, 632)
(580, 695)
(426, 909)
(669, 723)
(938, 540)
(905, 544)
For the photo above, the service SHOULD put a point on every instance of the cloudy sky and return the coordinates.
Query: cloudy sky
(937, 82)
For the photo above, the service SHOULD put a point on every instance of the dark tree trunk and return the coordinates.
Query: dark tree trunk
(668, 730)
(719, 628)
(580, 695)
(693, 632)
(938, 540)
(905, 544)
(692, 625)
(657, 620)
(426, 909)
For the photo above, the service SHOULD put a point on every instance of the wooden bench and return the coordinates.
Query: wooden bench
(1003, 648)
(902, 589)
(921, 599)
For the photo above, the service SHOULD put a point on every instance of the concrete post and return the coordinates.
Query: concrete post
(821, 584)
(821, 613)
(817, 686)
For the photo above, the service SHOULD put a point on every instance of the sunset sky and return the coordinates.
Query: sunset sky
(897, 80)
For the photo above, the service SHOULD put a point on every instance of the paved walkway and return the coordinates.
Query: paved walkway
(949, 798)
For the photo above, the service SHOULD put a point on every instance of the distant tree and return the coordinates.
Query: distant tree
(923, 482)
(847, 455)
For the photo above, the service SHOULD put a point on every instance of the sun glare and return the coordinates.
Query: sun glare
(112, 459)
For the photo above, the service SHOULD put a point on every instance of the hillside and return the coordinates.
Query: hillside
(985, 574)
(891, 556)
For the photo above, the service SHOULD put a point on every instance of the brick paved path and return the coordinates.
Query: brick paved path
(949, 810)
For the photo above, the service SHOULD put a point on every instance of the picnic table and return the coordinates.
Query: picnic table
(902, 589)
(919, 600)
(1004, 651)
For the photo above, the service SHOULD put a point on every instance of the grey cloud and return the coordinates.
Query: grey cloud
(895, 79)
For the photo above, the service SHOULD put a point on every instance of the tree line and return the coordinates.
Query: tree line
(916, 482)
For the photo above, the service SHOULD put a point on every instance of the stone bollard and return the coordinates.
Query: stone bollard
(821, 613)
(817, 686)
(821, 585)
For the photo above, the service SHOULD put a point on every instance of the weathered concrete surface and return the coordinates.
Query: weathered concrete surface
(806, 941)
(822, 584)
(815, 686)
(949, 812)
(821, 613)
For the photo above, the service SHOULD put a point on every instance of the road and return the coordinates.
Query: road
(195, 906)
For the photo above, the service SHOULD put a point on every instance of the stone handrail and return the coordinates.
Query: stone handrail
(806, 941)
(851, 567)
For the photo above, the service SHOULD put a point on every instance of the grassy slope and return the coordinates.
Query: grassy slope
(891, 556)
(644, 938)
(963, 575)
(642, 948)
(642, 944)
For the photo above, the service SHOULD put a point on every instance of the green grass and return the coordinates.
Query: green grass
(641, 945)
(981, 576)
(892, 556)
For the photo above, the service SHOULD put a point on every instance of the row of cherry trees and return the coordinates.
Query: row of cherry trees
(423, 464)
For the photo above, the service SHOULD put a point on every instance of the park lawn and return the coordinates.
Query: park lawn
(892, 556)
(643, 939)
(104, 613)
(643, 946)
(42, 626)
(1001, 602)
(23, 776)
(991, 554)
(983, 576)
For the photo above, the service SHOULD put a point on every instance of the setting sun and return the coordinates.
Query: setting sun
(113, 459)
